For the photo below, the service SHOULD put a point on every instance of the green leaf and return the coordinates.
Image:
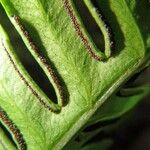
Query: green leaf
(5, 142)
(104, 145)
(89, 83)
(117, 106)
(140, 10)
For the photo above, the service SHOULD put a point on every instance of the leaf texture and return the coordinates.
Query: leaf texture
(89, 83)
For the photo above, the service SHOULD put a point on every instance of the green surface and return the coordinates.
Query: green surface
(89, 82)
(5, 143)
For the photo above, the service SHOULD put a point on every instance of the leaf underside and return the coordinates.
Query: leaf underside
(89, 83)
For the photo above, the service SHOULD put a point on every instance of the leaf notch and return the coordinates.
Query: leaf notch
(58, 85)
(83, 33)
(12, 128)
